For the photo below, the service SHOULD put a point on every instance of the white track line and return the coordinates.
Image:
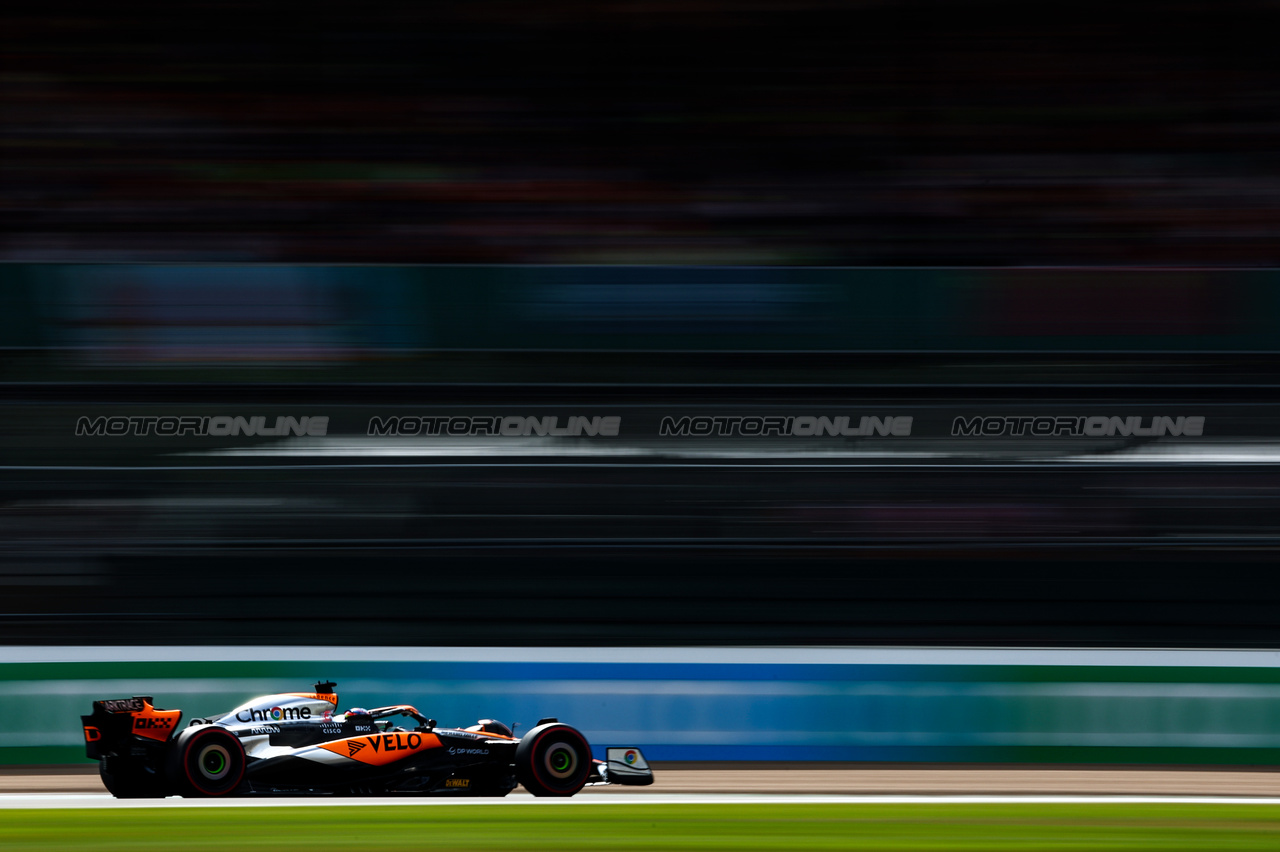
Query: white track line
(102, 800)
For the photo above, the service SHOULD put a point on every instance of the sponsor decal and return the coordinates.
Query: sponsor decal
(395, 742)
(465, 751)
(123, 705)
(222, 426)
(328, 716)
(152, 722)
(155, 724)
(458, 783)
(364, 728)
(1093, 426)
(91, 734)
(508, 426)
(264, 729)
(797, 426)
(275, 714)
(381, 749)
(625, 759)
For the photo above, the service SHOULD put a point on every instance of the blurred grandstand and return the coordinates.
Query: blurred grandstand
(127, 515)
(803, 132)
(644, 209)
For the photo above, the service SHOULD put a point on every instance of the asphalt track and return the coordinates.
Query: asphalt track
(74, 787)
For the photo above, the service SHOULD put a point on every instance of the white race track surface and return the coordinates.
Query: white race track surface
(103, 800)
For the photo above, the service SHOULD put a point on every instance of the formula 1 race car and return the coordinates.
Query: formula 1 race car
(296, 744)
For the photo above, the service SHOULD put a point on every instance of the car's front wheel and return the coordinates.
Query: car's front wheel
(553, 760)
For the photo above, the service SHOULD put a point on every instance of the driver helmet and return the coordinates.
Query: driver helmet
(490, 726)
(357, 713)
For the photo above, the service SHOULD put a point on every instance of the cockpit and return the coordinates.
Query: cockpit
(387, 719)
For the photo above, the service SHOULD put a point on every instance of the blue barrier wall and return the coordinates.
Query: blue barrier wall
(715, 704)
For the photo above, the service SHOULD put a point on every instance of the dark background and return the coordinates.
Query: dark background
(684, 146)
(911, 132)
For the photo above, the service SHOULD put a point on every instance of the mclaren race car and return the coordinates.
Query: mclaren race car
(297, 743)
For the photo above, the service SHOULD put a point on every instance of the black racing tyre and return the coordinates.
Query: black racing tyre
(130, 781)
(207, 761)
(553, 760)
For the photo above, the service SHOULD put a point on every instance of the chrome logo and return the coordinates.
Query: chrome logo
(277, 714)
(630, 757)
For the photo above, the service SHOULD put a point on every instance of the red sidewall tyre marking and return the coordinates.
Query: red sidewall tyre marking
(534, 761)
(190, 747)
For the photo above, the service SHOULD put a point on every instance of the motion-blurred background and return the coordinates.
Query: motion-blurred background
(841, 132)
(716, 222)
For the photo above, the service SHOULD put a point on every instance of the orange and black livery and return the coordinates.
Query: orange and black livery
(297, 743)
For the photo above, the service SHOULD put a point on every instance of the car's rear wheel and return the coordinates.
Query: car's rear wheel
(130, 780)
(553, 760)
(207, 761)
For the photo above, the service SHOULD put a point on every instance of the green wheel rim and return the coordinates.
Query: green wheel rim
(561, 761)
(214, 762)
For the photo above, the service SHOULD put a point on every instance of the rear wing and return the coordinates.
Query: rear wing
(117, 723)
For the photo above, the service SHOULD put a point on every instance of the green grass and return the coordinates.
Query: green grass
(650, 827)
